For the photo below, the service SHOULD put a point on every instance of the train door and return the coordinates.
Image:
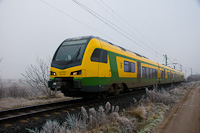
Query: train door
(104, 65)
(104, 70)
(139, 71)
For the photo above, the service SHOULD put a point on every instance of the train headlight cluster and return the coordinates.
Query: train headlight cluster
(76, 73)
(53, 73)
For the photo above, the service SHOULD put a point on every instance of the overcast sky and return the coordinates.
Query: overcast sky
(31, 28)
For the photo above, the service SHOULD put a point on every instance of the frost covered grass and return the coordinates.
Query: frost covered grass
(16, 102)
(8, 103)
(15, 91)
(14, 95)
(160, 96)
(143, 116)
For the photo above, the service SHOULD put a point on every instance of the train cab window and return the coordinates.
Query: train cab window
(99, 55)
(129, 67)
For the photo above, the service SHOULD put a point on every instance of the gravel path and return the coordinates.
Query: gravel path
(184, 116)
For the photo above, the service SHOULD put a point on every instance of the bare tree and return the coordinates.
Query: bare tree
(37, 76)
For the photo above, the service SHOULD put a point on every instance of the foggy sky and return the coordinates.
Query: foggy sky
(31, 28)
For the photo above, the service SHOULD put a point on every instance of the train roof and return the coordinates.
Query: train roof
(90, 37)
(139, 56)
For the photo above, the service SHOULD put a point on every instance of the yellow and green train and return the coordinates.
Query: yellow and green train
(90, 66)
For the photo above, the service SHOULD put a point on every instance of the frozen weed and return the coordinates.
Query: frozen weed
(84, 112)
(107, 107)
(160, 96)
(75, 123)
(50, 127)
(126, 126)
(138, 112)
(117, 109)
(102, 117)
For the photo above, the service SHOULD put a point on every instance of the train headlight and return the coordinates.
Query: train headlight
(76, 73)
(53, 73)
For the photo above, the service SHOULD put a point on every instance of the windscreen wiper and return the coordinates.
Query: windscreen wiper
(75, 56)
(78, 52)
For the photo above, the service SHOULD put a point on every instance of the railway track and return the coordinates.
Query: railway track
(17, 113)
(11, 118)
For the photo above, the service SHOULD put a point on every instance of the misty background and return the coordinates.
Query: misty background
(153, 28)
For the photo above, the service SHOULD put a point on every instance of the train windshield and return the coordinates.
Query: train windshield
(70, 53)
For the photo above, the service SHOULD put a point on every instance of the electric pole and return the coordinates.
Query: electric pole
(165, 56)
(174, 65)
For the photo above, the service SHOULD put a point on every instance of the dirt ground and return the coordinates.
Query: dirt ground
(184, 116)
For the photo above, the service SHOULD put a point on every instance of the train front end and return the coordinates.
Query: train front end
(67, 68)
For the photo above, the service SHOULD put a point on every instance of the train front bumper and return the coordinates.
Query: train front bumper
(66, 83)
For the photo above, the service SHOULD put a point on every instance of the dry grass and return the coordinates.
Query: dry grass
(138, 113)
(160, 96)
(10, 102)
(15, 96)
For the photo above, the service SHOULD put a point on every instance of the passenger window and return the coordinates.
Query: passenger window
(144, 72)
(147, 72)
(156, 73)
(161, 74)
(150, 73)
(129, 67)
(99, 55)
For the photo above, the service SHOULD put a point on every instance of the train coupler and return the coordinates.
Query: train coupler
(54, 85)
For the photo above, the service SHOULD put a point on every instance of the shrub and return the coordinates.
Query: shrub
(138, 112)
(106, 116)
(15, 91)
(50, 127)
(75, 123)
(160, 96)
(37, 76)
